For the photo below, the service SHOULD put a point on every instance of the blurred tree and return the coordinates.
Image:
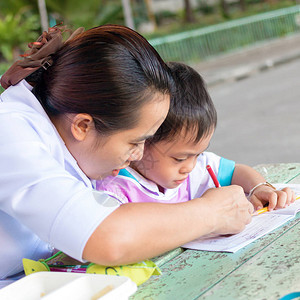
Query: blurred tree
(72, 12)
(188, 12)
(78, 13)
(16, 30)
(243, 5)
(144, 18)
(129, 22)
(43, 15)
(14, 6)
(224, 8)
(151, 16)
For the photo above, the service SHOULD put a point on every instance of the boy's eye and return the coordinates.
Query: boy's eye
(179, 159)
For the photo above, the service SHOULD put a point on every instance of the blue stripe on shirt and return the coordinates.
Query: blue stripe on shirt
(124, 172)
(226, 169)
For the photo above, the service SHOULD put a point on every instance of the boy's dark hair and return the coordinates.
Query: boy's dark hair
(191, 108)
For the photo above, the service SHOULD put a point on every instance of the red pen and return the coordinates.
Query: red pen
(213, 176)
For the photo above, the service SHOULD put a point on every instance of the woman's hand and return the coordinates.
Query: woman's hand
(229, 210)
(276, 199)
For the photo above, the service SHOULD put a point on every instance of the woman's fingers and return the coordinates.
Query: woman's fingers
(232, 210)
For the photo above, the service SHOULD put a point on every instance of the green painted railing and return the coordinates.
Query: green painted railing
(199, 44)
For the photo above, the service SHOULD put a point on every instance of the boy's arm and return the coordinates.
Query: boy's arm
(248, 178)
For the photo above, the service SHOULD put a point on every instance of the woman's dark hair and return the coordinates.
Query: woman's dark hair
(191, 108)
(108, 72)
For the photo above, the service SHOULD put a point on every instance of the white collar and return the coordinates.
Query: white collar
(22, 93)
(150, 185)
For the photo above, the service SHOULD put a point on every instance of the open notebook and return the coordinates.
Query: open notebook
(259, 226)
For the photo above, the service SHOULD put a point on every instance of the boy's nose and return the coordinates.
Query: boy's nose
(188, 167)
(185, 170)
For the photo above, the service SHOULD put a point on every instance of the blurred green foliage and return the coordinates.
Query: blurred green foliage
(77, 13)
(15, 30)
(139, 12)
(20, 23)
(20, 20)
(206, 15)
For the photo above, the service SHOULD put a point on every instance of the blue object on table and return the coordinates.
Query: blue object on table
(291, 296)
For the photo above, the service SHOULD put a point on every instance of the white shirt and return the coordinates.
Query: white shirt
(45, 199)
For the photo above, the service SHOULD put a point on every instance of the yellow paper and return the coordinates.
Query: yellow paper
(138, 273)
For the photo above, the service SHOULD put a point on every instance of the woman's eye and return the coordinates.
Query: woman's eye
(138, 145)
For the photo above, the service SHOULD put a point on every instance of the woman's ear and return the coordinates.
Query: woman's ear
(81, 125)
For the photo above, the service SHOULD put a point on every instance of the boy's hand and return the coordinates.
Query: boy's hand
(276, 199)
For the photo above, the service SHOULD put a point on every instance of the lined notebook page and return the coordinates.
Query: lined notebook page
(259, 226)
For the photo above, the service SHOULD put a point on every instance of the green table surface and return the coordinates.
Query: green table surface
(268, 268)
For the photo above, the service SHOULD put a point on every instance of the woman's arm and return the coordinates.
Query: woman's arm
(138, 231)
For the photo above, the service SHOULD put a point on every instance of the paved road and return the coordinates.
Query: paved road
(248, 61)
(259, 117)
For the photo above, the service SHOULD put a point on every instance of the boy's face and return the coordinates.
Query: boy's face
(168, 164)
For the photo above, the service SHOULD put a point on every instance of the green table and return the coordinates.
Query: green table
(268, 268)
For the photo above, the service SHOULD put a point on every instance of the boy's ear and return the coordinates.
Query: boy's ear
(81, 125)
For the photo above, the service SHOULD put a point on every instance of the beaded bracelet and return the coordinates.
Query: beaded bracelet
(262, 183)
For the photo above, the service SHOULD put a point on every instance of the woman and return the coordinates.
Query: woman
(95, 100)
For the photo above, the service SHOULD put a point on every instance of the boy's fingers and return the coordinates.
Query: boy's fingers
(272, 201)
(256, 202)
(276, 199)
(282, 199)
(290, 195)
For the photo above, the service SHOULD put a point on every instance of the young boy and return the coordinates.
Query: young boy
(174, 165)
